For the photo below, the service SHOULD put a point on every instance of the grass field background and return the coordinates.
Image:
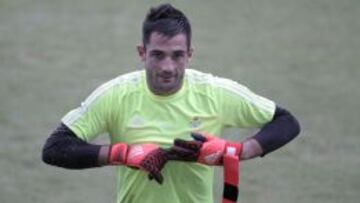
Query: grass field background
(303, 54)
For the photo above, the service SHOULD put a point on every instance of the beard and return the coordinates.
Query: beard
(165, 83)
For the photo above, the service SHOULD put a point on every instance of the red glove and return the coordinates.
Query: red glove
(206, 149)
(148, 157)
(211, 150)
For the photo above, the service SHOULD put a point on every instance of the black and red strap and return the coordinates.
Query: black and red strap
(231, 172)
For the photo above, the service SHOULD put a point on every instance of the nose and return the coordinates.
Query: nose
(168, 65)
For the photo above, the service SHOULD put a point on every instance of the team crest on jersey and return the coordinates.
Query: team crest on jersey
(195, 122)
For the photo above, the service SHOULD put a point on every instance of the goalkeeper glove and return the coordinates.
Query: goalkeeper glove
(148, 157)
(205, 149)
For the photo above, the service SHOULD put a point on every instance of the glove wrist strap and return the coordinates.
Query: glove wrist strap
(117, 154)
(231, 172)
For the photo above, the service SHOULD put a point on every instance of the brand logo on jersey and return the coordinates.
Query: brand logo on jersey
(195, 122)
(136, 121)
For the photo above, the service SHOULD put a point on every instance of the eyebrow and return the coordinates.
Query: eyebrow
(179, 52)
(156, 51)
(174, 52)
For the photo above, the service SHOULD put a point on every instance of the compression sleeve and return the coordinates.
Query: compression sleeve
(64, 149)
(282, 129)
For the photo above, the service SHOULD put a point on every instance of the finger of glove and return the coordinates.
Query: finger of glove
(192, 145)
(154, 173)
(158, 177)
(159, 180)
(198, 136)
(182, 154)
(153, 163)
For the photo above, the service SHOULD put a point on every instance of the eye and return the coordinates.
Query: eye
(178, 55)
(158, 55)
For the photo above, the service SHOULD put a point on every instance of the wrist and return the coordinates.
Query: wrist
(103, 155)
(251, 149)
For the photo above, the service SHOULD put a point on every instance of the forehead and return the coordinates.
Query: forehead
(159, 41)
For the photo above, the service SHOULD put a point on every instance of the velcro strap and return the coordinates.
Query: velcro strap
(231, 172)
(117, 154)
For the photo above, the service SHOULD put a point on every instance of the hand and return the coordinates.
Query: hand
(148, 157)
(205, 149)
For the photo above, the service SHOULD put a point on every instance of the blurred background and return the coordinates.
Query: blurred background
(303, 54)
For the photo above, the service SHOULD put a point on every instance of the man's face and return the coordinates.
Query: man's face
(165, 62)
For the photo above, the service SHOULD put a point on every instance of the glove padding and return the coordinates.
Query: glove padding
(148, 157)
(205, 149)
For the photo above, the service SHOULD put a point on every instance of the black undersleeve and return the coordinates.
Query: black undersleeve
(65, 150)
(282, 129)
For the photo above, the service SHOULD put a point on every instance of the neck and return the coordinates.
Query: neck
(161, 92)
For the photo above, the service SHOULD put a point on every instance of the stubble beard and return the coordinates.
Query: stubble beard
(165, 86)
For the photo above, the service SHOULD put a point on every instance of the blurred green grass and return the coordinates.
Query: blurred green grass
(302, 54)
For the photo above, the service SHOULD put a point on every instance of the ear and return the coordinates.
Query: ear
(190, 52)
(141, 52)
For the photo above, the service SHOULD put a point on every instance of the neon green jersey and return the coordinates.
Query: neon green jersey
(129, 112)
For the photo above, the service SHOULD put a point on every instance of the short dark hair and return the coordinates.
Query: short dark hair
(167, 20)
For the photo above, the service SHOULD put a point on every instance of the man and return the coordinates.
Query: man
(166, 112)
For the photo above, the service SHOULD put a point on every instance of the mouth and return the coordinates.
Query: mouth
(167, 78)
